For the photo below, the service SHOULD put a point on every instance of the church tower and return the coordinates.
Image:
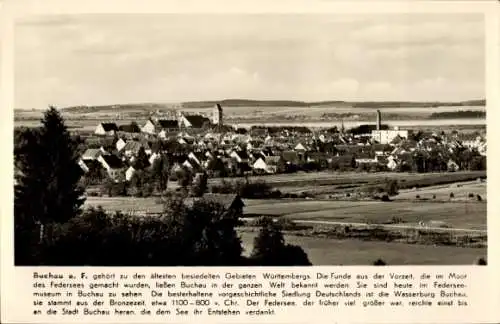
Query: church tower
(217, 115)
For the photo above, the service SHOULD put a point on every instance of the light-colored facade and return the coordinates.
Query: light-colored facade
(387, 136)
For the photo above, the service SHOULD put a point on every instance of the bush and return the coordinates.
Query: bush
(286, 224)
(188, 236)
(478, 197)
(385, 198)
(433, 196)
(452, 195)
(417, 196)
(481, 261)
(471, 195)
(379, 262)
(270, 249)
(392, 188)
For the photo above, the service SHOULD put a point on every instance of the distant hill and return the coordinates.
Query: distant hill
(353, 104)
(268, 103)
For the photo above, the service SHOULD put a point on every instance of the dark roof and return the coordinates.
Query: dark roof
(109, 127)
(197, 121)
(167, 123)
(113, 161)
(130, 128)
(242, 154)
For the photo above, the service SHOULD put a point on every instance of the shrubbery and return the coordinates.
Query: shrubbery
(270, 248)
(247, 189)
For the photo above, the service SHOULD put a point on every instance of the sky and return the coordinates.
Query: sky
(106, 59)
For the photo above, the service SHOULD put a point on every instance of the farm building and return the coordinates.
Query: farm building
(156, 126)
(113, 165)
(193, 121)
(387, 136)
(109, 129)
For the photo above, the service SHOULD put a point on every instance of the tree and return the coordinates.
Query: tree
(185, 177)
(392, 188)
(200, 185)
(160, 172)
(269, 247)
(141, 162)
(47, 182)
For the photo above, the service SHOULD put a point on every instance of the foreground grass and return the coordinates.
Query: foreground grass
(325, 251)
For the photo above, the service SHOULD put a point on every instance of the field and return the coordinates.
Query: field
(454, 214)
(315, 116)
(323, 251)
(462, 215)
(304, 181)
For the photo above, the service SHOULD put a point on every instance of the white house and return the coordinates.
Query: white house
(240, 157)
(129, 173)
(188, 164)
(155, 156)
(300, 147)
(392, 163)
(120, 144)
(113, 165)
(91, 154)
(149, 127)
(387, 136)
(84, 166)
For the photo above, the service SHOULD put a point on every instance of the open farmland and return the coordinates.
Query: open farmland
(406, 180)
(461, 192)
(325, 251)
(466, 215)
(454, 214)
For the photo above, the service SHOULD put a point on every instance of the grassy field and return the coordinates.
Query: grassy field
(470, 215)
(302, 179)
(461, 192)
(324, 251)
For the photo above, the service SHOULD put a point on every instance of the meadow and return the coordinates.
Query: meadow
(326, 251)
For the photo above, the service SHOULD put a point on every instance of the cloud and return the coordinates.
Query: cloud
(103, 59)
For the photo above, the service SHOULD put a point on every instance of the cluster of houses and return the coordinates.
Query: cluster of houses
(202, 145)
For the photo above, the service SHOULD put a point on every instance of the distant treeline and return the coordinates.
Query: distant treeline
(363, 104)
(269, 103)
(458, 114)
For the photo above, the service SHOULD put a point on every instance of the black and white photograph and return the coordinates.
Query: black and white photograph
(278, 139)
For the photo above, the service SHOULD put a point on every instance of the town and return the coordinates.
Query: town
(197, 144)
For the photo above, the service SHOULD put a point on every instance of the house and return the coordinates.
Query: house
(240, 156)
(109, 129)
(196, 157)
(193, 121)
(132, 148)
(92, 154)
(155, 156)
(130, 128)
(270, 164)
(83, 166)
(156, 126)
(452, 166)
(300, 148)
(392, 163)
(113, 165)
(120, 144)
(129, 173)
